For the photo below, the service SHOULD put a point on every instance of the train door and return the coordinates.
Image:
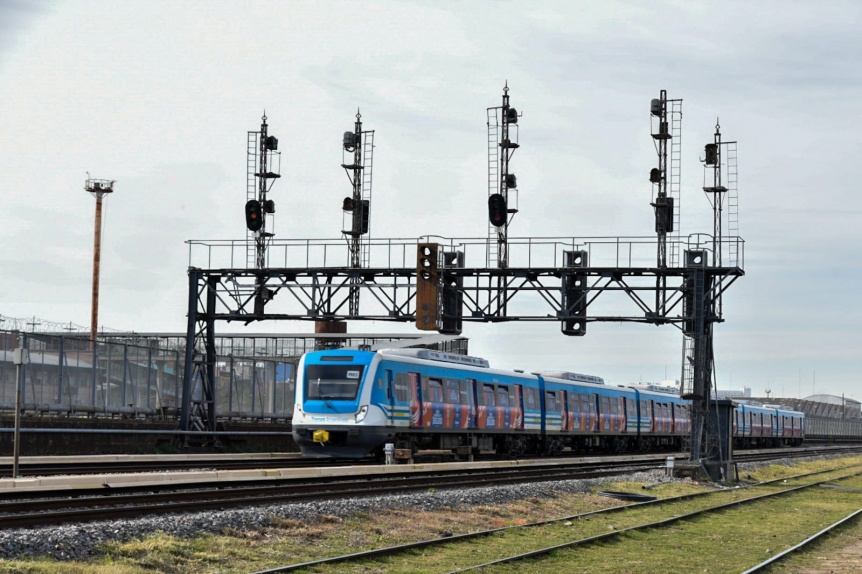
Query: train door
(575, 408)
(644, 418)
(604, 414)
(432, 403)
(631, 415)
(564, 411)
(652, 415)
(390, 395)
(518, 408)
(503, 407)
(551, 412)
(471, 390)
(415, 400)
(486, 411)
(452, 399)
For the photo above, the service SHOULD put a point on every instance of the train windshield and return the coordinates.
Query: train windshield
(332, 382)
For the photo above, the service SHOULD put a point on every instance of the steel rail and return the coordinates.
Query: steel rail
(803, 544)
(85, 468)
(76, 467)
(184, 497)
(656, 524)
(392, 550)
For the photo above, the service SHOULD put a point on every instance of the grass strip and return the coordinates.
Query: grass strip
(288, 540)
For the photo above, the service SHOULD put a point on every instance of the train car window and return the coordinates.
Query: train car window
(588, 405)
(574, 402)
(332, 382)
(502, 396)
(644, 408)
(550, 401)
(402, 387)
(465, 387)
(615, 407)
(488, 395)
(453, 391)
(605, 407)
(435, 391)
(530, 398)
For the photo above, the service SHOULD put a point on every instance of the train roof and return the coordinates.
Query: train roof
(569, 376)
(431, 355)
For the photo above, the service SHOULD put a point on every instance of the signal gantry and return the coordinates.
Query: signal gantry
(437, 284)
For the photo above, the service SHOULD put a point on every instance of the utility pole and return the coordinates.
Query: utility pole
(20, 357)
(97, 188)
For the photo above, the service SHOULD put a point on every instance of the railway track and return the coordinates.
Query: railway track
(77, 467)
(21, 510)
(554, 535)
(295, 460)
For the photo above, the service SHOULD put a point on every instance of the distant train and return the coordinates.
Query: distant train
(350, 403)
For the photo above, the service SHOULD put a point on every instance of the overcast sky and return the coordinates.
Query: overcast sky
(159, 96)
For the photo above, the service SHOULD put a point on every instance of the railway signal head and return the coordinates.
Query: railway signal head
(253, 215)
(497, 210)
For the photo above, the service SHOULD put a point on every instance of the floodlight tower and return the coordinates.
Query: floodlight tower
(98, 188)
(357, 161)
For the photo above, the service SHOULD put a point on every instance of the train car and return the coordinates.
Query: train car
(587, 415)
(351, 403)
(664, 420)
(756, 425)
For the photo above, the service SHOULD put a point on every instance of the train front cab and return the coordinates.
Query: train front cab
(335, 414)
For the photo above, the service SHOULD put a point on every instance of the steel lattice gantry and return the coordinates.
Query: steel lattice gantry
(571, 281)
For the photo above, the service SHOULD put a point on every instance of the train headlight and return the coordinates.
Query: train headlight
(360, 416)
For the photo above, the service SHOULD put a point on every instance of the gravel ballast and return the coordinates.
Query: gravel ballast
(82, 541)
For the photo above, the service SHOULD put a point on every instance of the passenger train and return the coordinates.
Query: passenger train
(350, 403)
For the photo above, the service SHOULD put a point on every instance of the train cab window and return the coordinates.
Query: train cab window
(488, 395)
(435, 391)
(550, 401)
(402, 387)
(502, 396)
(332, 382)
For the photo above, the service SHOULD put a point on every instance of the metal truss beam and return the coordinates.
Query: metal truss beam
(489, 294)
